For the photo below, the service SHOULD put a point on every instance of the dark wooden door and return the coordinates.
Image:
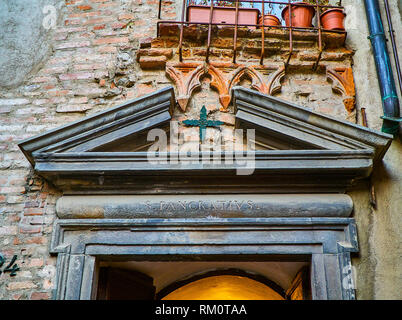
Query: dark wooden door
(121, 284)
(301, 286)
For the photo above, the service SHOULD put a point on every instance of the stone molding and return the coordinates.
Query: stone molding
(218, 206)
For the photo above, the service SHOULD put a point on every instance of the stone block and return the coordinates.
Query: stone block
(21, 285)
(73, 108)
(153, 52)
(156, 62)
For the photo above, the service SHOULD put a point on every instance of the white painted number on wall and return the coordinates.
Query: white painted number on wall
(50, 19)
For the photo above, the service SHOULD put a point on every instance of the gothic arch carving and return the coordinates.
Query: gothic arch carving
(343, 83)
(220, 84)
(257, 82)
(275, 84)
(186, 76)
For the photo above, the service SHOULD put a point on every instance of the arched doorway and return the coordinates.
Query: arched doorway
(224, 287)
(161, 282)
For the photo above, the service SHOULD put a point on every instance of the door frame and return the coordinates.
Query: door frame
(80, 244)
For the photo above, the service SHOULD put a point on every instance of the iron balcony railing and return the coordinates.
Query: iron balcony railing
(318, 28)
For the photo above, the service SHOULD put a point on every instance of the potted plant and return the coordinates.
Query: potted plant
(269, 18)
(302, 14)
(332, 18)
(224, 12)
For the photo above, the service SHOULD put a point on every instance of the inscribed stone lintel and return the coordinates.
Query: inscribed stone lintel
(191, 206)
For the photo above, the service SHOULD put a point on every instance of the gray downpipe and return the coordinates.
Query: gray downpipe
(386, 80)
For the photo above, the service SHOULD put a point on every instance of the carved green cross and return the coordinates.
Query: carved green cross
(203, 123)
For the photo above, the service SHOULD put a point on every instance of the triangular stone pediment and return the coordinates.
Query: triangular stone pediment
(289, 141)
(105, 128)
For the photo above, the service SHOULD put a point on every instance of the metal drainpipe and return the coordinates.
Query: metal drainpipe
(389, 96)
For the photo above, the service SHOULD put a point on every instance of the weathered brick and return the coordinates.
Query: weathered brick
(126, 16)
(92, 66)
(69, 22)
(12, 190)
(72, 44)
(79, 100)
(99, 20)
(145, 43)
(36, 240)
(73, 108)
(29, 229)
(84, 7)
(13, 102)
(32, 110)
(33, 211)
(110, 40)
(35, 262)
(107, 49)
(15, 199)
(100, 27)
(9, 128)
(5, 109)
(70, 29)
(85, 14)
(118, 25)
(39, 102)
(32, 204)
(21, 285)
(157, 62)
(76, 76)
(8, 230)
(168, 53)
(143, 89)
(36, 128)
(58, 93)
(90, 92)
(72, 2)
(40, 296)
(43, 79)
(108, 5)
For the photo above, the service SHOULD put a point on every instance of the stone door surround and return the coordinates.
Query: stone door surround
(326, 241)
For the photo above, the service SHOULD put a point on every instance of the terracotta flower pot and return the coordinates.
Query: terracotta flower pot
(270, 20)
(302, 16)
(199, 13)
(333, 19)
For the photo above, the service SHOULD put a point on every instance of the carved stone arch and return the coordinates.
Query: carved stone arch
(186, 76)
(275, 83)
(343, 83)
(257, 82)
(219, 83)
